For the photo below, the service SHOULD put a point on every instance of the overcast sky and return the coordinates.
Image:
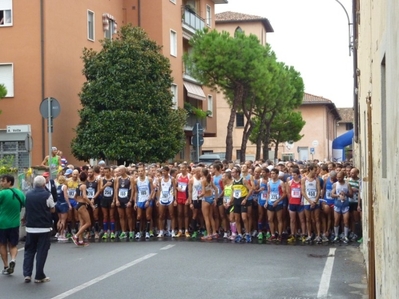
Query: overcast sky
(312, 36)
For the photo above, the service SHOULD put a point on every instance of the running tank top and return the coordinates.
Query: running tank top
(217, 181)
(108, 192)
(182, 184)
(91, 188)
(338, 189)
(275, 192)
(228, 190)
(78, 192)
(143, 190)
(354, 184)
(327, 196)
(60, 195)
(311, 191)
(71, 191)
(263, 194)
(166, 195)
(239, 190)
(124, 188)
(295, 197)
(197, 188)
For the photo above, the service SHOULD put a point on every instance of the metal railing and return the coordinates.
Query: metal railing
(192, 20)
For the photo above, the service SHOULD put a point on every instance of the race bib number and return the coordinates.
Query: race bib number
(312, 193)
(237, 193)
(274, 196)
(90, 192)
(296, 193)
(263, 195)
(226, 199)
(143, 192)
(123, 192)
(108, 192)
(165, 194)
(328, 194)
(182, 186)
(71, 193)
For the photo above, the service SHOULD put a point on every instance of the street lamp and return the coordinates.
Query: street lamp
(353, 48)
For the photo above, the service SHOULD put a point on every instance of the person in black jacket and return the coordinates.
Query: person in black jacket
(39, 206)
(52, 187)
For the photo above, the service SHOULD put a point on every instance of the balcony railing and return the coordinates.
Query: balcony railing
(191, 120)
(192, 20)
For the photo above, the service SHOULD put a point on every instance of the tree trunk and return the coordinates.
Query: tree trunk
(245, 136)
(238, 94)
(276, 150)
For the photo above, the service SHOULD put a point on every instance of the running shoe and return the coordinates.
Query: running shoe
(318, 240)
(206, 238)
(96, 236)
(308, 239)
(68, 235)
(345, 240)
(360, 240)
(291, 239)
(225, 236)
(232, 237)
(160, 235)
(173, 234)
(260, 236)
(147, 235)
(112, 235)
(268, 235)
(122, 235)
(11, 267)
(279, 239)
(214, 236)
(238, 239)
(179, 234)
(151, 234)
(5, 271)
(28, 279)
(168, 234)
(56, 235)
(187, 234)
(335, 239)
(131, 235)
(62, 239)
(47, 279)
(272, 238)
(324, 239)
(105, 236)
(254, 233)
(248, 238)
(138, 236)
(303, 239)
(75, 239)
(204, 233)
(194, 235)
(354, 238)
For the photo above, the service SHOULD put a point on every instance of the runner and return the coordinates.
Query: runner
(123, 198)
(62, 207)
(195, 200)
(93, 193)
(219, 212)
(144, 189)
(262, 199)
(354, 182)
(327, 204)
(73, 218)
(107, 190)
(228, 211)
(182, 202)
(52, 163)
(208, 187)
(165, 200)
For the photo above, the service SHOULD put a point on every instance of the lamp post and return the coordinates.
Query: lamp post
(352, 36)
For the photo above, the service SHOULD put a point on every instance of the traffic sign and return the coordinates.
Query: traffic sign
(55, 108)
(315, 143)
(312, 150)
(198, 129)
(195, 141)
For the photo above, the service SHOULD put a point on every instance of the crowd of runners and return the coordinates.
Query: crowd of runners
(311, 202)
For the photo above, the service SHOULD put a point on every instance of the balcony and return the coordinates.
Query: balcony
(191, 21)
(191, 120)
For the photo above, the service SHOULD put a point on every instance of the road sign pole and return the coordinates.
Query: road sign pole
(49, 124)
(198, 138)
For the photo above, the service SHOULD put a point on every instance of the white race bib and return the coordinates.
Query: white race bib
(182, 186)
(123, 192)
(90, 192)
(328, 194)
(274, 196)
(108, 192)
(312, 193)
(71, 193)
(296, 193)
(237, 193)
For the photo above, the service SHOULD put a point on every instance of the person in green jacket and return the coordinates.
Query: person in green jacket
(11, 202)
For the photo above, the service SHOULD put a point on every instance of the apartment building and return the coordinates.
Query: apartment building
(45, 40)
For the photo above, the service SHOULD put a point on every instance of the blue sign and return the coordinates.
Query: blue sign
(312, 151)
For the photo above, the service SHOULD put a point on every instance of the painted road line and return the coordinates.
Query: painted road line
(326, 276)
(104, 276)
(167, 247)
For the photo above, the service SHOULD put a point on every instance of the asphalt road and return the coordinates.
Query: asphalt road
(174, 269)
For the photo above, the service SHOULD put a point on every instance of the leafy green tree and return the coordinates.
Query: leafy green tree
(228, 64)
(127, 112)
(3, 91)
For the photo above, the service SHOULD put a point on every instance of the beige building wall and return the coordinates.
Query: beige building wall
(379, 72)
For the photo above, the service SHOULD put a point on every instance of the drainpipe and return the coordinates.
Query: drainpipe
(139, 13)
(42, 70)
(355, 83)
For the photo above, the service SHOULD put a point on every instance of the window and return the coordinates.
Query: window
(239, 119)
(90, 25)
(238, 30)
(174, 99)
(109, 25)
(210, 105)
(173, 1)
(349, 126)
(5, 13)
(7, 78)
(173, 43)
(208, 16)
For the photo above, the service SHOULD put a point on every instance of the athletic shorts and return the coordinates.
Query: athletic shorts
(285, 201)
(262, 203)
(166, 203)
(341, 209)
(308, 208)
(353, 206)
(229, 210)
(106, 202)
(181, 201)
(209, 199)
(326, 203)
(296, 208)
(142, 206)
(197, 204)
(238, 207)
(274, 209)
(220, 202)
(9, 235)
(79, 205)
(73, 202)
(123, 203)
(61, 208)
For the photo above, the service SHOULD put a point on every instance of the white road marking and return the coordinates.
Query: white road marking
(21, 249)
(326, 276)
(102, 277)
(167, 247)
